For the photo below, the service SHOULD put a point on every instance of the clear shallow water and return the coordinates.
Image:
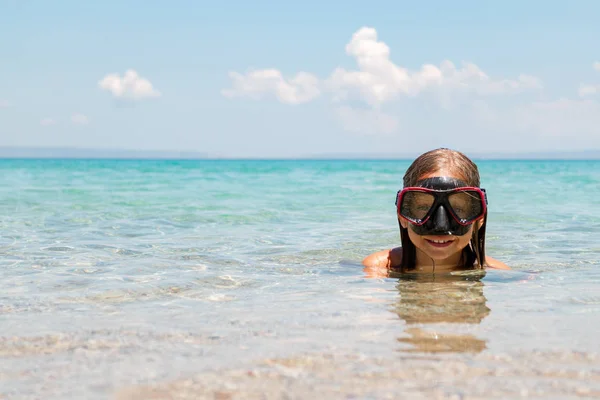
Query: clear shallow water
(121, 279)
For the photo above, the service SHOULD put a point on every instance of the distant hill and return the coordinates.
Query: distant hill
(558, 155)
(550, 155)
(65, 152)
(78, 153)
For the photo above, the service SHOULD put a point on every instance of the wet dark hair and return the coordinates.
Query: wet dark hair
(461, 167)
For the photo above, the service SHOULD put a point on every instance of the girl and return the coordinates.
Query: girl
(442, 214)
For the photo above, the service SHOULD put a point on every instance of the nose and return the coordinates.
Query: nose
(441, 221)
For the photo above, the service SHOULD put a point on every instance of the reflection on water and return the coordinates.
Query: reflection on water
(455, 298)
(433, 342)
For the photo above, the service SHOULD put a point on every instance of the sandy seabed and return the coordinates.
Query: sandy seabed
(547, 375)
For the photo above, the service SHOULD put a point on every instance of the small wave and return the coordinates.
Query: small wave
(58, 248)
(593, 300)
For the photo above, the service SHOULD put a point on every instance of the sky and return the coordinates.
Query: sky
(294, 79)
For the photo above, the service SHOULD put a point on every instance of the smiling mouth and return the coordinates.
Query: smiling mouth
(439, 243)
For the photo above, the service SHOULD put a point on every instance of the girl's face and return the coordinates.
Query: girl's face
(443, 249)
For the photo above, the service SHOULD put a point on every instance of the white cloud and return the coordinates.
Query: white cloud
(366, 120)
(130, 86)
(4, 103)
(376, 81)
(79, 119)
(589, 90)
(561, 124)
(302, 88)
(561, 118)
(379, 80)
(470, 106)
(48, 122)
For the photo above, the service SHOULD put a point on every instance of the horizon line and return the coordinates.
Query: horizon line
(68, 153)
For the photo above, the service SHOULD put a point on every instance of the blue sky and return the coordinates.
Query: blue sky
(288, 79)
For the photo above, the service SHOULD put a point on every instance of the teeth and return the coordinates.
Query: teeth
(440, 241)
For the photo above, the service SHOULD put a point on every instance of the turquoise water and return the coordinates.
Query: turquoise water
(123, 277)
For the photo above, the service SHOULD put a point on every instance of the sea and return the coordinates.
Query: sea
(242, 279)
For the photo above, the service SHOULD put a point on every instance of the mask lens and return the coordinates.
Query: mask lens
(415, 205)
(466, 205)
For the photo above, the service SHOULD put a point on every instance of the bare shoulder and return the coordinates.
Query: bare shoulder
(378, 264)
(495, 264)
(385, 258)
(377, 260)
